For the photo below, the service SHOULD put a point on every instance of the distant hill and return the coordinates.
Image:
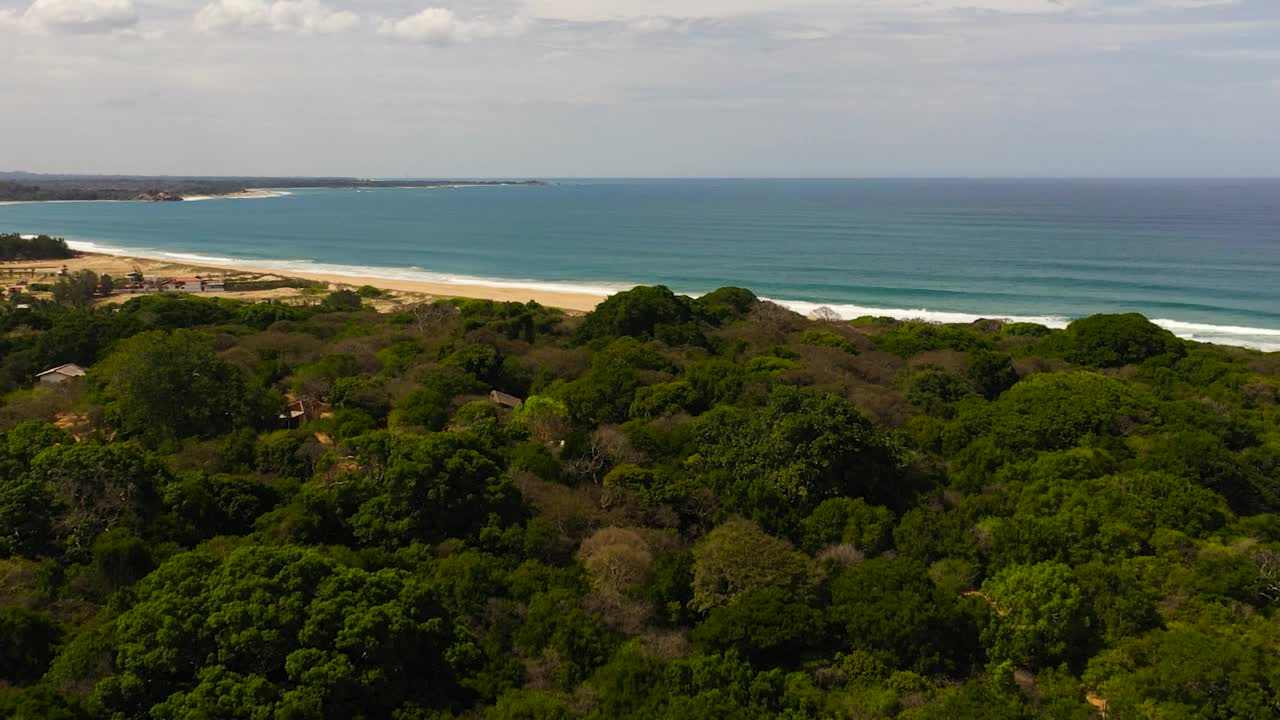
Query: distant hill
(26, 186)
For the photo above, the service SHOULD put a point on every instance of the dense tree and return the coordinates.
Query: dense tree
(1039, 615)
(766, 626)
(738, 557)
(647, 312)
(97, 488)
(727, 303)
(423, 408)
(1212, 667)
(1115, 340)
(913, 338)
(159, 385)
(702, 509)
(431, 487)
(77, 289)
(777, 462)
(27, 644)
(890, 607)
(41, 247)
(990, 372)
(282, 631)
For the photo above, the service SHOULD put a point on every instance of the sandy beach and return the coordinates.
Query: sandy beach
(250, 194)
(401, 292)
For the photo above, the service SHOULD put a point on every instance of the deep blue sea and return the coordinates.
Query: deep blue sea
(1201, 257)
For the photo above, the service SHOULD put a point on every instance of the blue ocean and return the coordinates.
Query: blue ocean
(1201, 257)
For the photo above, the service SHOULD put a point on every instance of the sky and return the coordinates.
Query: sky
(628, 88)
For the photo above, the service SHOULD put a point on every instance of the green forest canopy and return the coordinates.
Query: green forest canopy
(32, 247)
(704, 508)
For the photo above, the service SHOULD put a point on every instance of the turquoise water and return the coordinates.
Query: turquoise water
(1202, 257)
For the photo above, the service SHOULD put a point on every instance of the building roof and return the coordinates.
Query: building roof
(502, 398)
(70, 370)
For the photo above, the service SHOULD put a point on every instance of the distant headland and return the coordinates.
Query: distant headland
(36, 187)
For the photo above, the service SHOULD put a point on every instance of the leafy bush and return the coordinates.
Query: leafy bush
(824, 338)
(1114, 340)
(914, 338)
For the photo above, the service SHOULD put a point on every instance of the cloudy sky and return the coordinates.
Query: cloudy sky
(558, 88)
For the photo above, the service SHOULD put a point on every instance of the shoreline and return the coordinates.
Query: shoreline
(578, 302)
(572, 300)
(119, 265)
(246, 194)
(1261, 339)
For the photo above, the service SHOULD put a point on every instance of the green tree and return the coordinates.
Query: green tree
(1039, 615)
(768, 626)
(26, 517)
(892, 608)
(546, 419)
(161, 385)
(727, 303)
(848, 520)
(99, 487)
(431, 487)
(76, 289)
(990, 372)
(423, 408)
(278, 632)
(645, 312)
(342, 301)
(1115, 340)
(28, 641)
(778, 462)
(738, 557)
(1213, 666)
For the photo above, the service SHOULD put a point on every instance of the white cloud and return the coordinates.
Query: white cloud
(81, 16)
(441, 26)
(311, 16)
(629, 10)
(1192, 4)
(651, 25)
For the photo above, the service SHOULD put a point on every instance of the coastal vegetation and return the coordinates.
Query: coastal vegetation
(33, 247)
(670, 507)
(32, 187)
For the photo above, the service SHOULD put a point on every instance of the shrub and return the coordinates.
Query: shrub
(824, 338)
(1114, 340)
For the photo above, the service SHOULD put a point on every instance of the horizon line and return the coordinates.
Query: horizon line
(445, 178)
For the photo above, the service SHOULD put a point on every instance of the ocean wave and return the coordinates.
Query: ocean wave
(849, 312)
(1265, 339)
(412, 274)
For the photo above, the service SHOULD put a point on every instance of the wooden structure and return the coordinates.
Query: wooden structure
(60, 374)
(502, 399)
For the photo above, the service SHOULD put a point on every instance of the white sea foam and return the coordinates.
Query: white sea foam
(285, 267)
(249, 194)
(1264, 339)
(849, 312)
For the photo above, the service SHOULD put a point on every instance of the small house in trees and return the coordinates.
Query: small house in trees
(60, 374)
(502, 399)
(299, 412)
